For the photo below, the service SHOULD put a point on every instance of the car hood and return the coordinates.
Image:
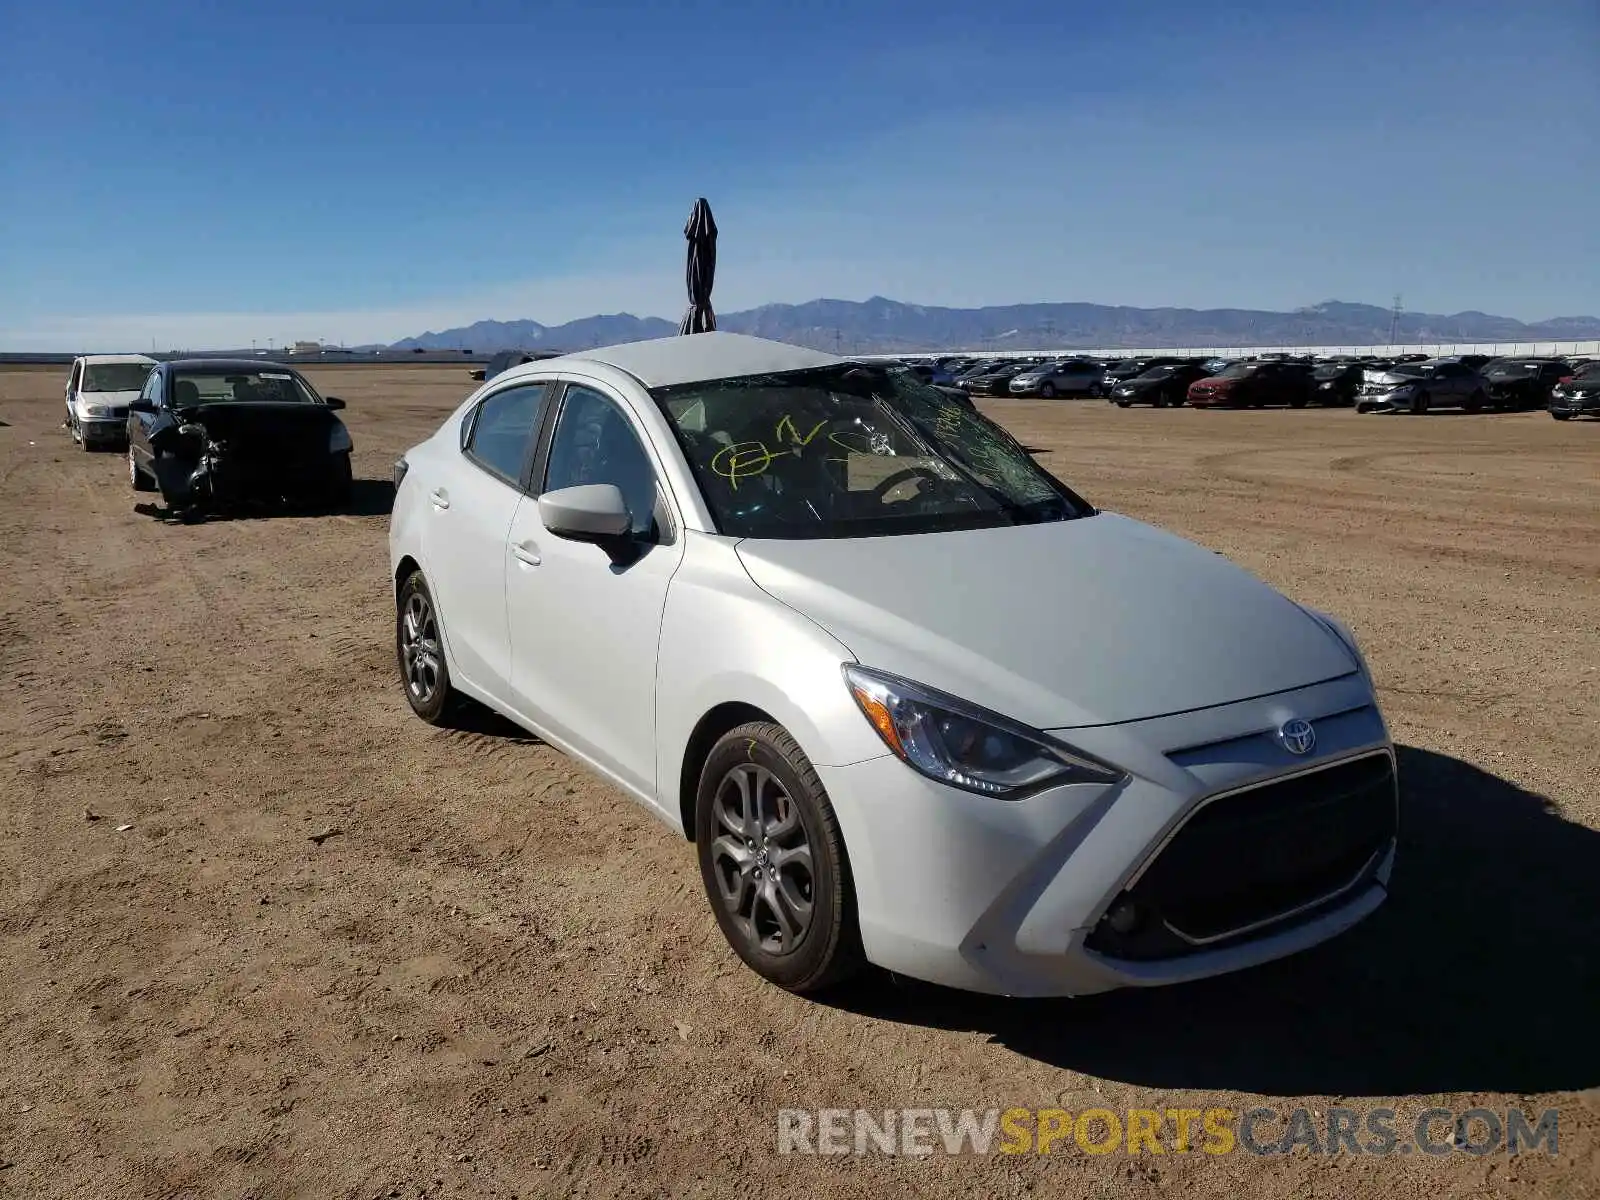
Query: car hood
(1068, 623)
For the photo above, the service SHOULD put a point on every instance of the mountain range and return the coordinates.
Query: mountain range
(885, 326)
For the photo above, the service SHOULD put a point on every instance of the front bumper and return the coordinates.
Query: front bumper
(1006, 897)
(1576, 405)
(103, 429)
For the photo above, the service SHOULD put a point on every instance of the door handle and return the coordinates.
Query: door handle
(440, 498)
(526, 552)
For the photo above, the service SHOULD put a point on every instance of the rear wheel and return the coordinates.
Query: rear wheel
(772, 860)
(1475, 401)
(137, 478)
(419, 649)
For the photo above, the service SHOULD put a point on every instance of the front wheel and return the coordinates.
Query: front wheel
(419, 649)
(1048, 391)
(1560, 416)
(1419, 404)
(1475, 402)
(772, 861)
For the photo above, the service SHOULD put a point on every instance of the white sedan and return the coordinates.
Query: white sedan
(99, 389)
(914, 701)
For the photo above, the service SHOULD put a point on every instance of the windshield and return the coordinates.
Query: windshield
(1239, 371)
(1410, 370)
(1587, 371)
(1510, 369)
(115, 377)
(266, 386)
(853, 452)
(1330, 370)
(1157, 373)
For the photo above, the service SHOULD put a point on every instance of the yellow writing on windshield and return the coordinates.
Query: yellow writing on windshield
(742, 460)
(787, 432)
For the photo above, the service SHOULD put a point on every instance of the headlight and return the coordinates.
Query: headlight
(96, 410)
(338, 439)
(961, 745)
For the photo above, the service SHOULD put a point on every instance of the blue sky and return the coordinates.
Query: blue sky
(197, 175)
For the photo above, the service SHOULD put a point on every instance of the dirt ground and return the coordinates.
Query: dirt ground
(468, 991)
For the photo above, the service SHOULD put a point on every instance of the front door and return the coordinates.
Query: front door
(585, 619)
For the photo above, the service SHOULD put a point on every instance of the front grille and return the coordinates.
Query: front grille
(1256, 859)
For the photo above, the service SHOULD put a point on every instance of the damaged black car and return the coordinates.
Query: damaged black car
(220, 434)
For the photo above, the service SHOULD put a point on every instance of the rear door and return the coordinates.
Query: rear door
(470, 504)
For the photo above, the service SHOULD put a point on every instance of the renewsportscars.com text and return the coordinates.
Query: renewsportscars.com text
(1260, 1131)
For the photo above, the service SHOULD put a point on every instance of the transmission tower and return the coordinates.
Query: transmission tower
(1394, 319)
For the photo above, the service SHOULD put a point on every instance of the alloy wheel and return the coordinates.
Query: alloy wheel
(419, 648)
(762, 860)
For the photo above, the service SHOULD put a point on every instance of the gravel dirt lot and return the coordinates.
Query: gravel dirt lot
(498, 978)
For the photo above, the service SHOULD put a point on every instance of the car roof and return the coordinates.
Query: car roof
(692, 358)
(217, 366)
(95, 360)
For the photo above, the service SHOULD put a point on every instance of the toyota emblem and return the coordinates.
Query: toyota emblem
(1297, 736)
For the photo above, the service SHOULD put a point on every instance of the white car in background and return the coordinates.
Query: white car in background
(99, 388)
(914, 701)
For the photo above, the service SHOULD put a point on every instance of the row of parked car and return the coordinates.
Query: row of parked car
(1414, 383)
(212, 432)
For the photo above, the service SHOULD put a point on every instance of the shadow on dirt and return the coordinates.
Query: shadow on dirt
(468, 716)
(368, 498)
(1478, 975)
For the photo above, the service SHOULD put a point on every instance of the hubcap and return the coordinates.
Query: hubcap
(762, 860)
(419, 648)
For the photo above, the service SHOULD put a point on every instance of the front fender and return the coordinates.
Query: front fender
(725, 641)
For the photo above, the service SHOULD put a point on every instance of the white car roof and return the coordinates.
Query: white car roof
(95, 360)
(695, 358)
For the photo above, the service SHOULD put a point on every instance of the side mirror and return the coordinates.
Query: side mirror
(333, 402)
(590, 512)
(141, 405)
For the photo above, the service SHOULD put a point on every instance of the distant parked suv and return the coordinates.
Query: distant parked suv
(98, 390)
(1254, 385)
(1071, 377)
(1416, 387)
(1578, 394)
(1523, 383)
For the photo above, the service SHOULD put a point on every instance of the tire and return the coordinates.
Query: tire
(1048, 391)
(1419, 404)
(1475, 401)
(418, 638)
(137, 478)
(1124, 403)
(756, 785)
(1298, 402)
(341, 483)
(1561, 416)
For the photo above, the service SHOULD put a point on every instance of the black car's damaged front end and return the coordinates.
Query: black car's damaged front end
(212, 457)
